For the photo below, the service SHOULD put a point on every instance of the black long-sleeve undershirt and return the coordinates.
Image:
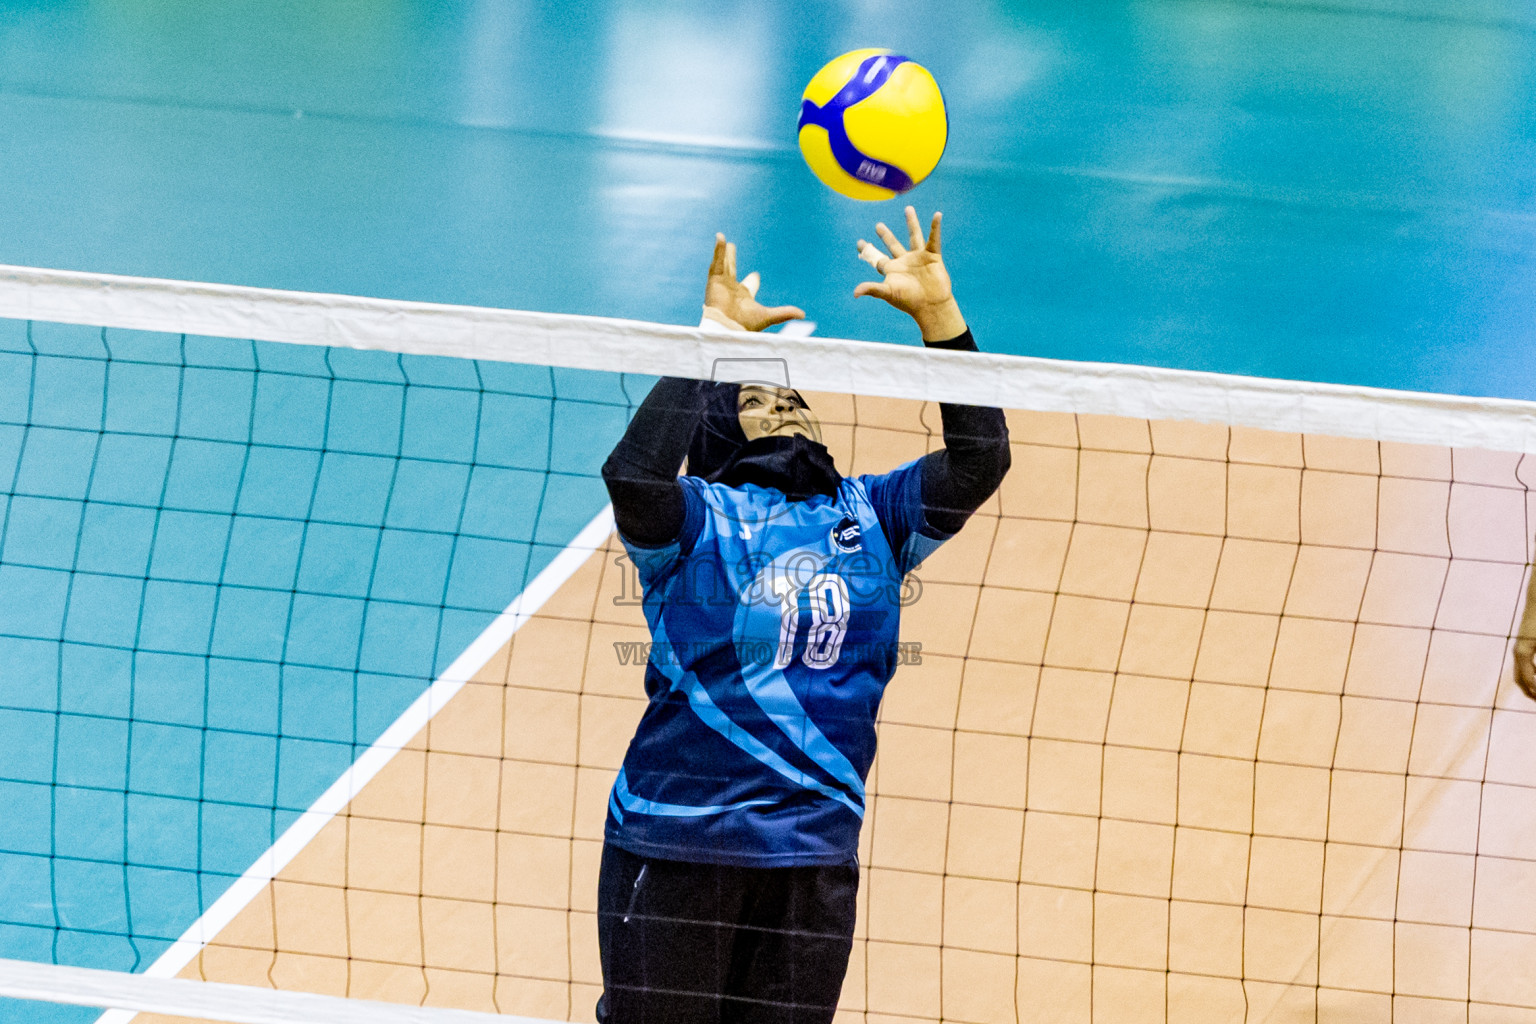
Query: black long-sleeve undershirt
(641, 473)
(960, 476)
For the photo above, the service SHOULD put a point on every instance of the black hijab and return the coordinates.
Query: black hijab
(721, 453)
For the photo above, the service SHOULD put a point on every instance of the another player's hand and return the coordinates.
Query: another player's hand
(734, 302)
(1525, 666)
(915, 280)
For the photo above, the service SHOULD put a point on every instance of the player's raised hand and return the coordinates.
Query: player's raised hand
(734, 302)
(914, 278)
(1525, 666)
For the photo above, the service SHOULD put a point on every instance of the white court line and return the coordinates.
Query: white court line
(818, 364)
(235, 1004)
(405, 728)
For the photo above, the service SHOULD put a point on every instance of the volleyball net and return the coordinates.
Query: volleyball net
(318, 658)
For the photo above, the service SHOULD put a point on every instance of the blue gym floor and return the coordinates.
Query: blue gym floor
(1339, 191)
(225, 568)
(1331, 191)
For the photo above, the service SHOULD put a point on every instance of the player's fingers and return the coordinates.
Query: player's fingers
(751, 283)
(933, 233)
(871, 254)
(730, 259)
(1525, 667)
(878, 289)
(914, 230)
(779, 314)
(889, 239)
(717, 261)
(1525, 671)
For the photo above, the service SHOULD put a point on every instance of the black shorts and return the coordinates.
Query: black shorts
(713, 944)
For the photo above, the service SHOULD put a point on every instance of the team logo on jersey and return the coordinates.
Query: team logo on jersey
(847, 535)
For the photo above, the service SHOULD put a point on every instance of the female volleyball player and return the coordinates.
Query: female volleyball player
(772, 590)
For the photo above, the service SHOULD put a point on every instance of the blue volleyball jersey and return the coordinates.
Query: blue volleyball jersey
(774, 628)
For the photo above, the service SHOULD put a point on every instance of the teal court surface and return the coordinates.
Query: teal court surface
(226, 569)
(1336, 192)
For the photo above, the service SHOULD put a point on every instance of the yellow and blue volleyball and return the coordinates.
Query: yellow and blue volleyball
(872, 124)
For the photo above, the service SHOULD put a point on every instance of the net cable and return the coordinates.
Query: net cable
(318, 658)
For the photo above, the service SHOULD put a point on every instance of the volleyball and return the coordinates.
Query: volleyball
(872, 124)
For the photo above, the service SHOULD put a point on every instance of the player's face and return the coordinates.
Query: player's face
(774, 412)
